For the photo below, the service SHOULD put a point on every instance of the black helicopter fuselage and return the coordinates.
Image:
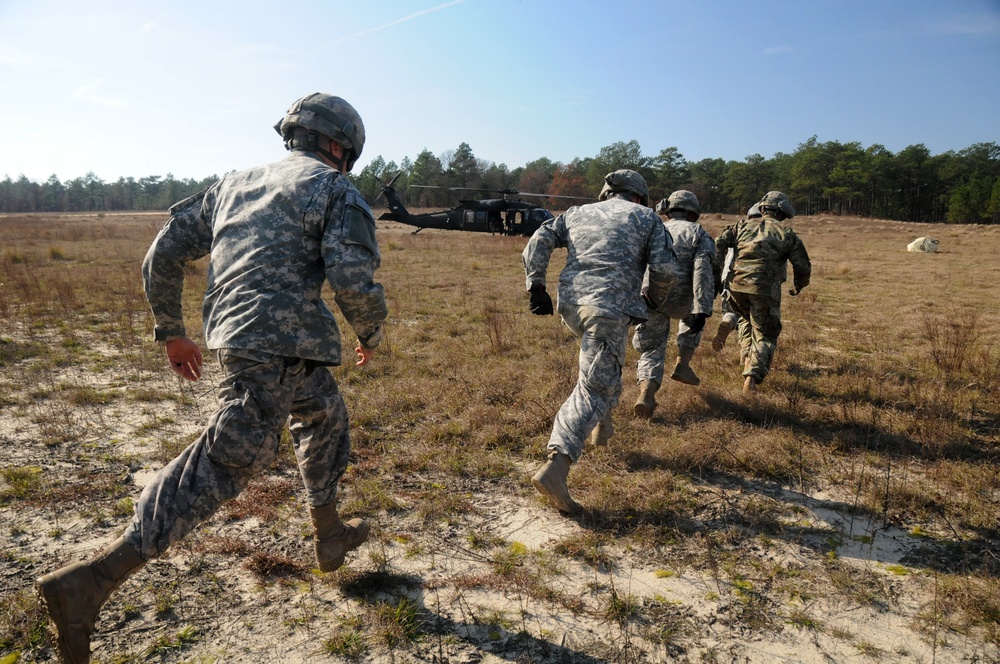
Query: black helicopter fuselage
(498, 216)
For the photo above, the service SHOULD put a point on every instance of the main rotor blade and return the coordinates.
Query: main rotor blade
(579, 198)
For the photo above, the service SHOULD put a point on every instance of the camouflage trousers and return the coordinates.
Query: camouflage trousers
(650, 339)
(258, 394)
(759, 327)
(599, 381)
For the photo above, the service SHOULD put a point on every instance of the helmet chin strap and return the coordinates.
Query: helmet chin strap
(309, 143)
(337, 163)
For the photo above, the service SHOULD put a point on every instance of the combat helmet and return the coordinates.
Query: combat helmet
(324, 114)
(625, 181)
(685, 200)
(776, 201)
(754, 212)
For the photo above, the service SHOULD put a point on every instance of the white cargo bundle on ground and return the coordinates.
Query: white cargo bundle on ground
(923, 244)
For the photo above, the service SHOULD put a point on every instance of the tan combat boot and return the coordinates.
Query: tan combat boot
(683, 373)
(750, 385)
(334, 538)
(603, 431)
(719, 342)
(74, 595)
(550, 481)
(646, 404)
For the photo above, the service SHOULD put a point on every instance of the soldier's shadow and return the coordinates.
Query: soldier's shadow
(484, 635)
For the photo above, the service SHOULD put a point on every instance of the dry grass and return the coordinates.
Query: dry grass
(883, 404)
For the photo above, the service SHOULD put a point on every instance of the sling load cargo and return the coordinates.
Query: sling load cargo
(925, 245)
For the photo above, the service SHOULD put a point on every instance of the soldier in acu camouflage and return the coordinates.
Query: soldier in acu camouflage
(274, 234)
(762, 249)
(610, 246)
(689, 300)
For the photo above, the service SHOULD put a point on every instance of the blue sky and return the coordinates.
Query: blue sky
(193, 88)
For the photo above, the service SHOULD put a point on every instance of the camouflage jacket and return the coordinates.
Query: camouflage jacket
(694, 290)
(274, 234)
(610, 244)
(762, 247)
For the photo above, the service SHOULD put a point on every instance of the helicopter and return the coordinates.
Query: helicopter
(499, 216)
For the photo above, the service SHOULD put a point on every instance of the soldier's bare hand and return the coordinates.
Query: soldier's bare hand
(185, 358)
(364, 355)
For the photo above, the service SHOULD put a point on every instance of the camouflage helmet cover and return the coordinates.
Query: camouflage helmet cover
(330, 116)
(625, 181)
(776, 200)
(682, 199)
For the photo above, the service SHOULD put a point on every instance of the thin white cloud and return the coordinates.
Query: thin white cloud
(86, 92)
(19, 60)
(147, 26)
(396, 22)
(777, 50)
(968, 25)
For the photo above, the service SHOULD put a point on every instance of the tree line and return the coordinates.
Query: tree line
(820, 177)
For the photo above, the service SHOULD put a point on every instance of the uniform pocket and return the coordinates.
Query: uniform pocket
(237, 431)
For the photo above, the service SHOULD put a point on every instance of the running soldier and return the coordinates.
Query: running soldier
(689, 300)
(274, 233)
(610, 245)
(762, 248)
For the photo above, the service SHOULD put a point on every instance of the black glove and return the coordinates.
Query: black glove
(649, 302)
(539, 300)
(697, 322)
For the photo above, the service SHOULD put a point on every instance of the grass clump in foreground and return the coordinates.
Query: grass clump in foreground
(883, 405)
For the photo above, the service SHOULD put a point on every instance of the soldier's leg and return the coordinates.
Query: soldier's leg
(319, 427)
(320, 431)
(687, 342)
(650, 339)
(741, 306)
(598, 386)
(767, 312)
(730, 319)
(241, 439)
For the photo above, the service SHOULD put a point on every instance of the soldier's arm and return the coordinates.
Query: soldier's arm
(536, 254)
(186, 236)
(661, 263)
(724, 242)
(801, 265)
(705, 276)
(351, 257)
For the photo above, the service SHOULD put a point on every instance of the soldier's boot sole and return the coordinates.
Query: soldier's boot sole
(550, 482)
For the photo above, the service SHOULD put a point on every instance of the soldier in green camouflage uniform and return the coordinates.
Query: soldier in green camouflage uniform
(762, 249)
(689, 300)
(274, 235)
(610, 244)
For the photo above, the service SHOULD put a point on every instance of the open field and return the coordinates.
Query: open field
(850, 512)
